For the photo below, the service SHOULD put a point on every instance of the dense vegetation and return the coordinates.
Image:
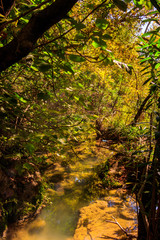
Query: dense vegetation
(73, 71)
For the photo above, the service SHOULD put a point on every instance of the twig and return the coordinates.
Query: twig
(74, 125)
(108, 237)
(117, 223)
(2, 6)
(89, 234)
(75, 153)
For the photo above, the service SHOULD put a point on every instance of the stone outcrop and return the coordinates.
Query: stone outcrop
(96, 220)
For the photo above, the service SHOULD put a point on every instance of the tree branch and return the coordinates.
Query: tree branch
(39, 23)
(140, 110)
(155, 4)
(62, 35)
(123, 230)
(6, 6)
(3, 25)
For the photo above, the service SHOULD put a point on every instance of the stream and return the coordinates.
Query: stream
(77, 208)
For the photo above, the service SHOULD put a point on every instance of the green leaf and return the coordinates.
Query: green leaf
(142, 40)
(152, 39)
(153, 12)
(28, 166)
(67, 68)
(30, 148)
(150, 20)
(157, 54)
(106, 36)
(24, 20)
(44, 67)
(79, 36)
(76, 98)
(138, 3)
(108, 61)
(97, 33)
(102, 23)
(21, 99)
(129, 69)
(80, 85)
(121, 5)
(77, 25)
(157, 66)
(95, 44)
(148, 5)
(34, 68)
(146, 59)
(91, 6)
(77, 58)
(147, 81)
(98, 42)
(146, 34)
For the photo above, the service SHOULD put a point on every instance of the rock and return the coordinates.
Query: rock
(96, 222)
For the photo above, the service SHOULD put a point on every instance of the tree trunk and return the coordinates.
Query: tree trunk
(140, 110)
(142, 234)
(39, 23)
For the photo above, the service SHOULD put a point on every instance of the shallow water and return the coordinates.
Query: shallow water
(59, 219)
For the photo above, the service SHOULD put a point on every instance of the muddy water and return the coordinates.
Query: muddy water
(76, 202)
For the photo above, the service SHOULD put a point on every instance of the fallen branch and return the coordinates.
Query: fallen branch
(88, 232)
(117, 223)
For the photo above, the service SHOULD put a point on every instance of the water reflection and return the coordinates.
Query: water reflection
(111, 203)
